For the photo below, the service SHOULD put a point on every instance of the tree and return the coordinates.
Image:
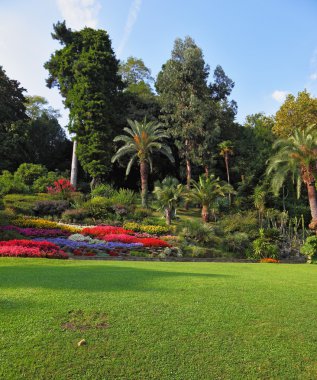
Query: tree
(297, 156)
(46, 141)
(168, 194)
(12, 99)
(182, 87)
(139, 100)
(12, 114)
(226, 150)
(85, 70)
(206, 191)
(140, 141)
(295, 113)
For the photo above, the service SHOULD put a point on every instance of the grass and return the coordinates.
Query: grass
(161, 321)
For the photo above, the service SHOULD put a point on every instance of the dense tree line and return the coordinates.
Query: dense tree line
(188, 100)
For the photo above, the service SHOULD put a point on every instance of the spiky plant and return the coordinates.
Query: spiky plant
(206, 191)
(168, 193)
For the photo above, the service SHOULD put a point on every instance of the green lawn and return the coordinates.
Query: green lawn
(159, 320)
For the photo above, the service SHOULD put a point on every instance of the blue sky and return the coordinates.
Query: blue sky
(268, 47)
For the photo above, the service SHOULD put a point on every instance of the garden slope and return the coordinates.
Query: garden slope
(162, 320)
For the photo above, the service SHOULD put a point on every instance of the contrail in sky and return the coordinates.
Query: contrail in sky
(132, 17)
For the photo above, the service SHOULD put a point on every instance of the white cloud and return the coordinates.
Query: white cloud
(132, 17)
(313, 76)
(80, 13)
(279, 96)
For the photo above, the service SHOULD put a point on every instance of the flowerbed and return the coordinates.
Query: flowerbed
(29, 248)
(32, 232)
(149, 229)
(49, 241)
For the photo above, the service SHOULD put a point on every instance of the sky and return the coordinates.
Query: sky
(267, 47)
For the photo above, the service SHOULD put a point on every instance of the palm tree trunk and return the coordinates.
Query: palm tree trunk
(144, 173)
(205, 214)
(312, 204)
(74, 167)
(228, 174)
(168, 216)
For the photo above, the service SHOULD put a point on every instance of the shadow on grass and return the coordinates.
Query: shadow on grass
(94, 278)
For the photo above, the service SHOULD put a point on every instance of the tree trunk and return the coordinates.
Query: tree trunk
(74, 167)
(168, 215)
(188, 179)
(205, 214)
(144, 172)
(206, 171)
(228, 175)
(312, 204)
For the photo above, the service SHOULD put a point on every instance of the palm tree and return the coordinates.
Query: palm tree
(140, 141)
(297, 155)
(168, 194)
(206, 191)
(226, 150)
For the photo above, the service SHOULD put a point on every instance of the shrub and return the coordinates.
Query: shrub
(24, 204)
(104, 190)
(141, 213)
(99, 208)
(264, 248)
(309, 248)
(41, 184)
(62, 187)
(10, 235)
(241, 222)
(28, 173)
(237, 242)
(11, 185)
(75, 215)
(198, 232)
(139, 254)
(52, 208)
(124, 197)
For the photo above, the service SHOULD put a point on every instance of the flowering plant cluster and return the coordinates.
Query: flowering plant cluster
(43, 223)
(149, 229)
(29, 248)
(100, 231)
(30, 231)
(72, 245)
(118, 234)
(269, 260)
(63, 187)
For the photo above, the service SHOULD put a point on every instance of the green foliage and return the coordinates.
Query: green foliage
(263, 247)
(140, 213)
(24, 204)
(295, 155)
(41, 184)
(28, 173)
(104, 190)
(77, 215)
(149, 229)
(168, 194)
(10, 235)
(9, 184)
(124, 197)
(295, 113)
(240, 222)
(309, 248)
(139, 254)
(197, 232)
(238, 243)
(51, 208)
(85, 71)
(99, 208)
